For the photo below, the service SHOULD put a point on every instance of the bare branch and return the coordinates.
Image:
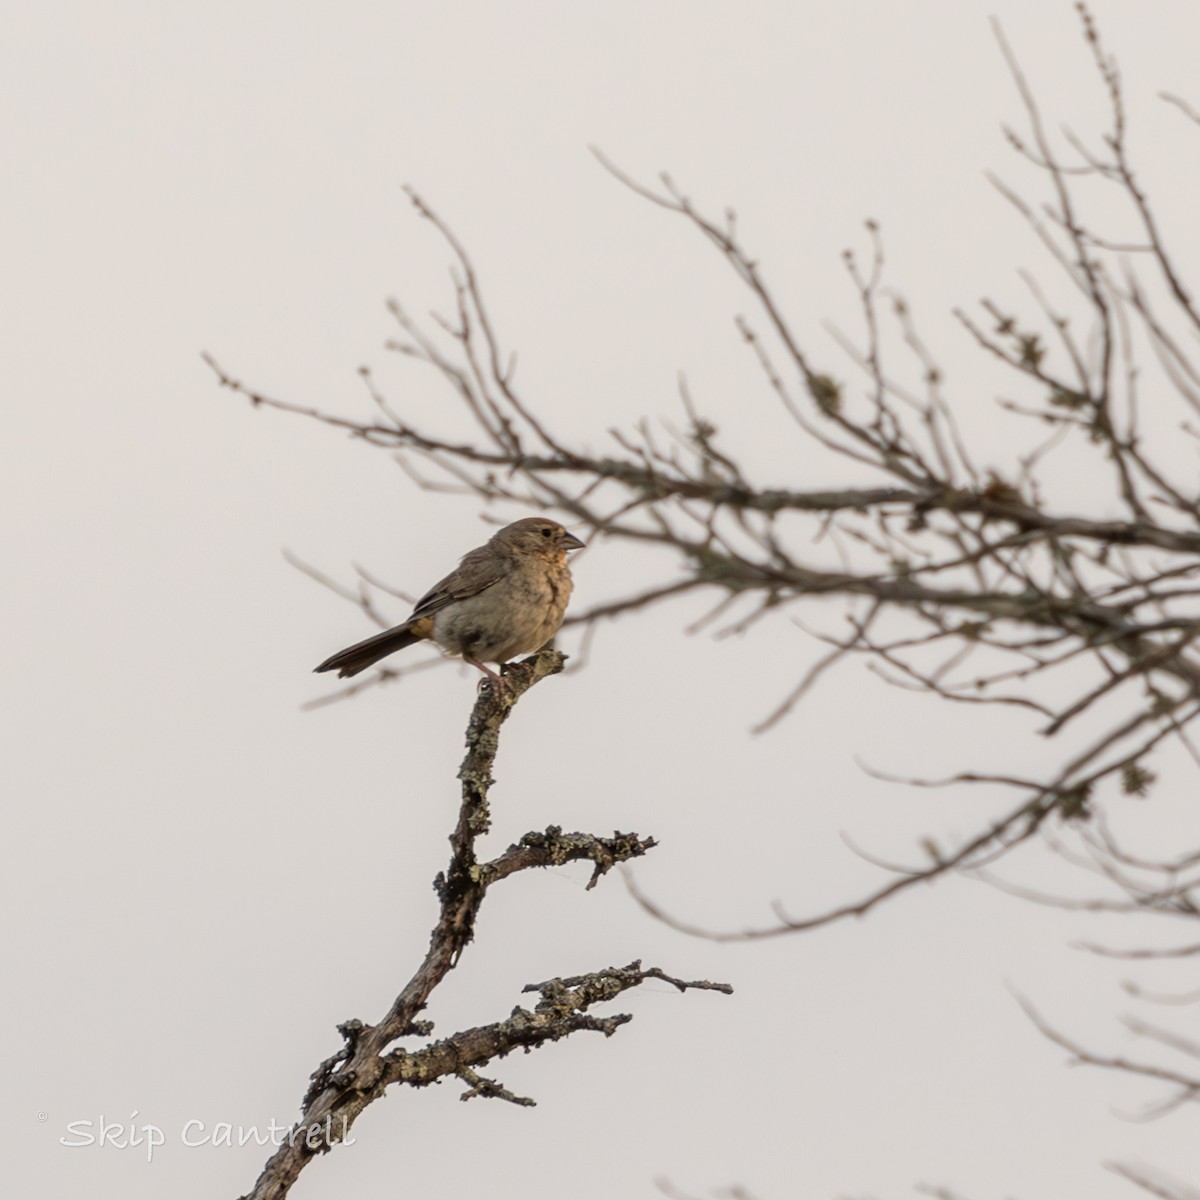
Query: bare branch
(344, 1084)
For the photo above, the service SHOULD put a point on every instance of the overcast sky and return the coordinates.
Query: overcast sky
(203, 879)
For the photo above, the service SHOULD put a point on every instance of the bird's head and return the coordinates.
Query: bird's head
(537, 535)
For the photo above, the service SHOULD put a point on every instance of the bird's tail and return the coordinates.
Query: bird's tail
(362, 654)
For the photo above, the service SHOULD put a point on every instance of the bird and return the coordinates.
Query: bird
(506, 597)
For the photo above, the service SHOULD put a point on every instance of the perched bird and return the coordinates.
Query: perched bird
(505, 598)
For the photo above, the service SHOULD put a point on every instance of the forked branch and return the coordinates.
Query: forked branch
(369, 1062)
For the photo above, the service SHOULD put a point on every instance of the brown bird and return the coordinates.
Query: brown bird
(505, 598)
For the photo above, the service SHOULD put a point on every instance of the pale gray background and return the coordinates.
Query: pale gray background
(201, 879)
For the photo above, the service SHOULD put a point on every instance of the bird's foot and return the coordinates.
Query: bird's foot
(492, 681)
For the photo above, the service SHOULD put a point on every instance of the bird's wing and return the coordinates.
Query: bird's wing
(476, 573)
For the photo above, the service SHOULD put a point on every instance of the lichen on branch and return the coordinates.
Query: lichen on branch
(368, 1063)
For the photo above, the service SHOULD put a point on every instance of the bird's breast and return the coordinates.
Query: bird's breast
(518, 614)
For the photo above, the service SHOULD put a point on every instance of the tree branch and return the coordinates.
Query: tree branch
(344, 1084)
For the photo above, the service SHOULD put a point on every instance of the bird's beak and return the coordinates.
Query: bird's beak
(568, 541)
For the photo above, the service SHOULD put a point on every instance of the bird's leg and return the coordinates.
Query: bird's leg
(497, 681)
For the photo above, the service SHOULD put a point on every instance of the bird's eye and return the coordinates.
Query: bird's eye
(546, 531)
